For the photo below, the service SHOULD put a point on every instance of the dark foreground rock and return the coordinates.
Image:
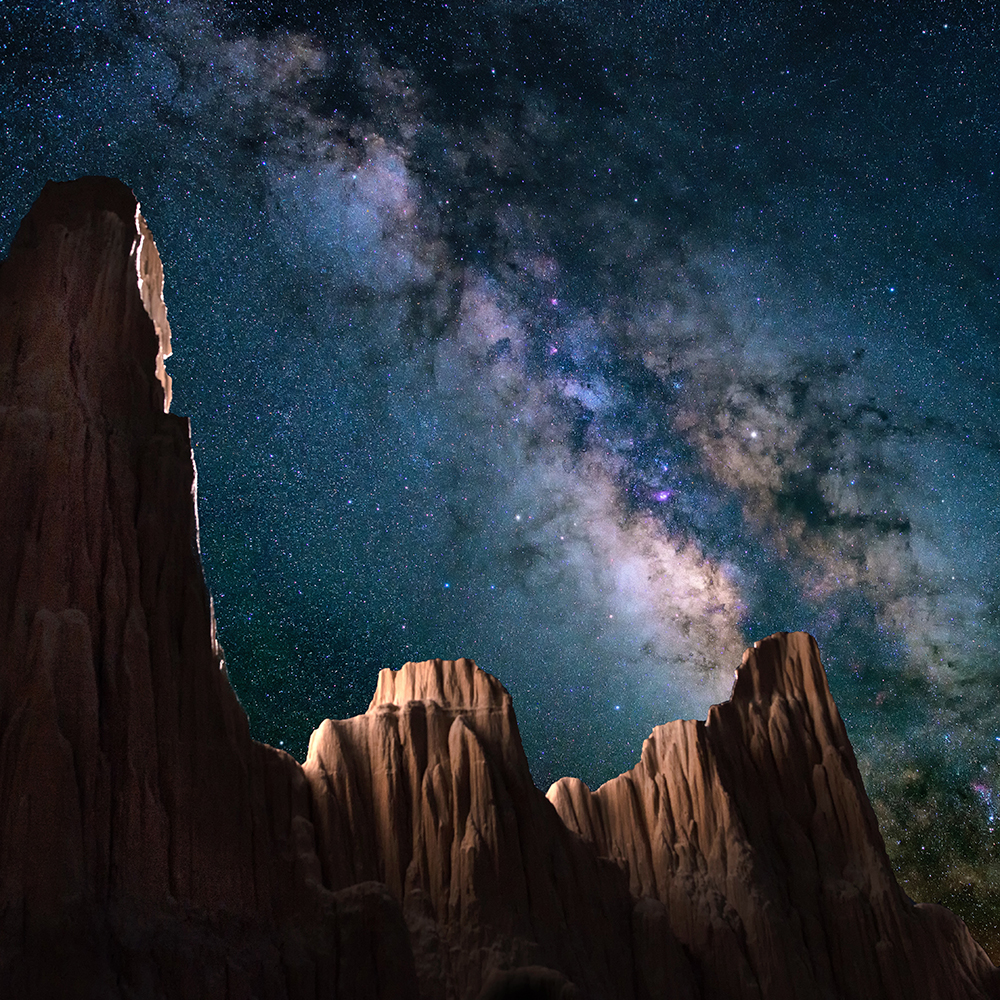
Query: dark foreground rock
(150, 849)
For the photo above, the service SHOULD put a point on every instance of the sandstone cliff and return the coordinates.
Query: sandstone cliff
(754, 831)
(150, 848)
(147, 845)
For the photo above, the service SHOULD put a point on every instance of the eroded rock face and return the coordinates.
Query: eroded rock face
(139, 824)
(753, 829)
(150, 848)
(430, 793)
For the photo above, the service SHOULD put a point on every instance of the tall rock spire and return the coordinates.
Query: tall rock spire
(134, 807)
(113, 698)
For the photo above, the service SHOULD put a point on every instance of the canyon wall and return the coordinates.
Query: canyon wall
(150, 849)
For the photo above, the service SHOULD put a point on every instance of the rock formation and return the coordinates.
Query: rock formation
(150, 849)
(754, 831)
(147, 845)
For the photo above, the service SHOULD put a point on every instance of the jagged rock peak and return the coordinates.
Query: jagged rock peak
(754, 831)
(455, 684)
(785, 664)
(66, 262)
(782, 670)
(148, 848)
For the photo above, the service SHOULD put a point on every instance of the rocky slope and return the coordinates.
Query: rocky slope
(150, 848)
(147, 845)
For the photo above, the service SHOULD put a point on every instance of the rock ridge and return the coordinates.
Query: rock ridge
(149, 848)
(456, 684)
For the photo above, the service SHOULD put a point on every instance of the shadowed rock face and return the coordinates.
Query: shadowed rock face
(150, 848)
(147, 845)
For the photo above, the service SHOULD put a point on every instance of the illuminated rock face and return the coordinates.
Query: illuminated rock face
(429, 792)
(150, 848)
(754, 830)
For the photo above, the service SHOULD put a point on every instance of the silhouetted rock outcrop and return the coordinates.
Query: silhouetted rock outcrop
(150, 848)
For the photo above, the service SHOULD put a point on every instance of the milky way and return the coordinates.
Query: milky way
(593, 342)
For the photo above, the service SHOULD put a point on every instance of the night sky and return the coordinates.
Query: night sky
(590, 340)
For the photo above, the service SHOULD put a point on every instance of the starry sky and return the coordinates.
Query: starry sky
(590, 340)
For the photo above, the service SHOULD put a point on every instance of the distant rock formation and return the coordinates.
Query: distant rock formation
(150, 849)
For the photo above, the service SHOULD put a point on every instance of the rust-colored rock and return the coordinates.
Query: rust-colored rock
(753, 829)
(150, 849)
(430, 793)
(144, 838)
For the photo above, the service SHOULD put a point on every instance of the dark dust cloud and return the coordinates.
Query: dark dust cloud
(592, 341)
